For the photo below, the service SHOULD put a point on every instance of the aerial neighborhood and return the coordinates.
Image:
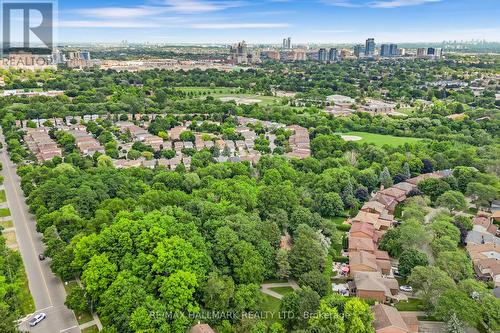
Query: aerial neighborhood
(160, 174)
(44, 148)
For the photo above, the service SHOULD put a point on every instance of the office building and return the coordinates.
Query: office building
(370, 47)
(385, 50)
(239, 54)
(388, 50)
(431, 51)
(359, 50)
(85, 55)
(333, 55)
(439, 53)
(271, 55)
(299, 55)
(344, 54)
(323, 55)
(58, 57)
(73, 55)
(393, 50)
(287, 43)
(421, 52)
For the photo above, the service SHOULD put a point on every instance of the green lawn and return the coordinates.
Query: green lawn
(27, 303)
(380, 139)
(407, 111)
(2, 196)
(283, 290)
(91, 329)
(82, 317)
(270, 308)
(338, 220)
(413, 304)
(6, 224)
(4, 212)
(221, 92)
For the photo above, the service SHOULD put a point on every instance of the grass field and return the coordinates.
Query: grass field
(283, 290)
(2, 196)
(413, 304)
(27, 303)
(380, 139)
(6, 224)
(4, 212)
(338, 220)
(10, 238)
(91, 329)
(270, 308)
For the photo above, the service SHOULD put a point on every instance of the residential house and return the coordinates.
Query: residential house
(486, 261)
(150, 164)
(389, 202)
(175, 133)
(394, 192)
(405, 186)
(125, 164)
(201, 328)
(362, 261)
(373, 286)
(41, 145)
(373, 219)
(496, 215)
(484, 223)
(154, 141)
(389, 320)
(300, 143)
(178, 146)
(361, 244)
(362, 230)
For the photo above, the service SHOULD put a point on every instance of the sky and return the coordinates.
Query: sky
(269, 21)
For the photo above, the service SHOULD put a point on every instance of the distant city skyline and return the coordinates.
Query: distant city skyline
(269, 21)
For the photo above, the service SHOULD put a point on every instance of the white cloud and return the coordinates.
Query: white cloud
(107, 24)
(119, 12)
(399, 3)
(224, 26)
(377, 3)
(158, 8)
(200, 6)
(342, 3)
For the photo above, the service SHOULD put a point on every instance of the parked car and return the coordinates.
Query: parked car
(407, 289)
(36, 319)
(41, 257)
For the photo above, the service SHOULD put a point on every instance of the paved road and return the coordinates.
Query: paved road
(47, 289)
